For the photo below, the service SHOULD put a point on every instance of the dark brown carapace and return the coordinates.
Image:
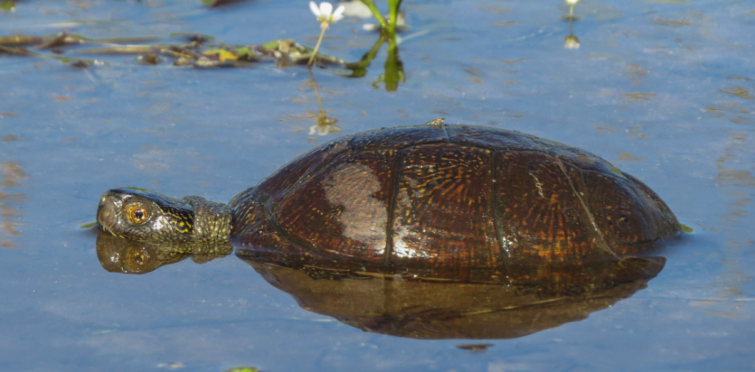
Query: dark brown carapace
(452, 196)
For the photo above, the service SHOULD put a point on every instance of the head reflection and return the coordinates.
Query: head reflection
(118, 255)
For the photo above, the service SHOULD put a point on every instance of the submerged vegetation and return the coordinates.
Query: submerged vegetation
(189, 50)
(204, 51)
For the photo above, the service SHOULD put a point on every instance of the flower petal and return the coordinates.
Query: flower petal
(338, 14)
(314, 8)
(326, 9)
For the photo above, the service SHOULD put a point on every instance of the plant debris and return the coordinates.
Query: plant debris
(200, 51)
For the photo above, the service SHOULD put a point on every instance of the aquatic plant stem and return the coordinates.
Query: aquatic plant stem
(359, 68)
(321, 118)
(571, 25)
(376, 12)
(324, 27)
(394, 68)
(393, 6)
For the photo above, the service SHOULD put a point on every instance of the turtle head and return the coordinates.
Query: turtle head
(147, 216)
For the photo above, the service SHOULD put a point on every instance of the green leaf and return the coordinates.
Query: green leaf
(272, 44)
(245, 54)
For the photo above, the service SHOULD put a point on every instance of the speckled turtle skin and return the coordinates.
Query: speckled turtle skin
(451, 196)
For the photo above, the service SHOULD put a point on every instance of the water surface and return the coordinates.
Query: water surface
(662, 89)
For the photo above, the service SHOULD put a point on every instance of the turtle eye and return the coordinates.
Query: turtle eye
(136, 258)
(137, 214)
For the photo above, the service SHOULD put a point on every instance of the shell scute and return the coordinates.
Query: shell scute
(280, 183)
(541, 215)
(343, 209)
(442, 212)
(628, 214)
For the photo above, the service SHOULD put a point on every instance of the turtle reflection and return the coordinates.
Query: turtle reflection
(495, 305)
(118, 255)
(419, 302)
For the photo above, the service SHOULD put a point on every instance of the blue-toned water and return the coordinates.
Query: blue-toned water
(663, 89)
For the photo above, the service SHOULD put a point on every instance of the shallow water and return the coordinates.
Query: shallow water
(650, 89)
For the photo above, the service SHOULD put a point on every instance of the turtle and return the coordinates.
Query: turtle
(436, 195)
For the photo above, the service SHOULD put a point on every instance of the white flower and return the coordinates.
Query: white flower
(356, 9)
(325, 13)
(572, 2)
(326, 16)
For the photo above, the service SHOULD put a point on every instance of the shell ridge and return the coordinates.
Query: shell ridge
(392, 206)
(299, 243)
(505, 254)
(601, 241)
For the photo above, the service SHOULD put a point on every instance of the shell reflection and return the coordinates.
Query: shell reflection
(448, 305)
(418, 302)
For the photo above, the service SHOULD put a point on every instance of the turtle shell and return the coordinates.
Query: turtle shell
(452, 196)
